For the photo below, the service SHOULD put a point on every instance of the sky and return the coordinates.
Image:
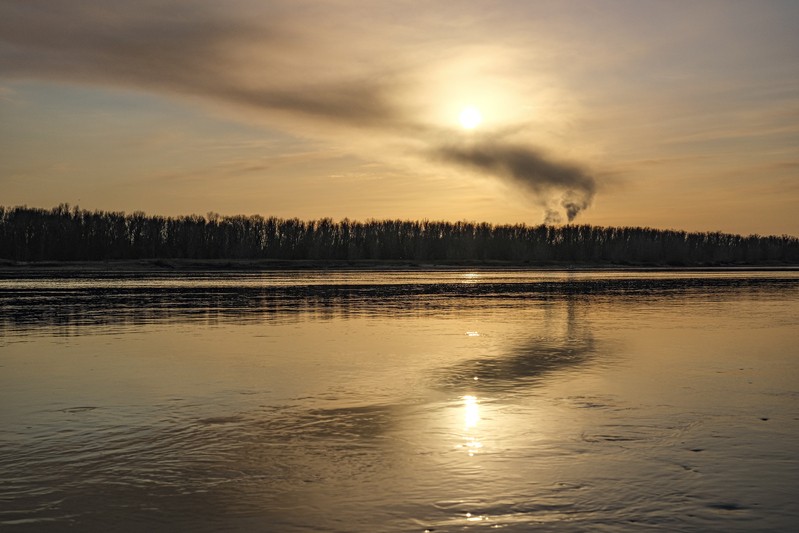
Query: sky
(665, 114)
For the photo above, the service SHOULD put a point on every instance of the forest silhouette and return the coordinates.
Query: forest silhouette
(67, 233)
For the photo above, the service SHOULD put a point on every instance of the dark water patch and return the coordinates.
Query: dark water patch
(611, 438)
(520, 367)
(80, 409)
(598, 403)
(525, 362)
(219, 420)
(727, 506)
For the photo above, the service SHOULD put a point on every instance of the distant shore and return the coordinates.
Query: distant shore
(185, 265)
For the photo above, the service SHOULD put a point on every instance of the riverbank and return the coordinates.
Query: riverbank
(278, 265)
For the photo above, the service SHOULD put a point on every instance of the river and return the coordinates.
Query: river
(420, 400)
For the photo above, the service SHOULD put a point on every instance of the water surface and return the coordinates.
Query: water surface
(446, 400)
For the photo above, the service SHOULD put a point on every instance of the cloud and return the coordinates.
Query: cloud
(272, 64)
(360, 103)
(201, 51)
(524, 166)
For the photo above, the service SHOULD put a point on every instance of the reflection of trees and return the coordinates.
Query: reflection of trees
(71, 309)
(567, 343)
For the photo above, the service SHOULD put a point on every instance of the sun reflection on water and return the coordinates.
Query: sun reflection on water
(471, 418)
(472, 414)
(472, 518)
(470, 277)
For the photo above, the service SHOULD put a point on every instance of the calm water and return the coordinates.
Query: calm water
(399, 401)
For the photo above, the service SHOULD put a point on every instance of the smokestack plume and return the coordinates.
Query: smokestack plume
(566, 184)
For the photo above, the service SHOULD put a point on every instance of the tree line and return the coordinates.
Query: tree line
(67, 233)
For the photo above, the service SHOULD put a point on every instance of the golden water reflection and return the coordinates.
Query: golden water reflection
(470, 277)
(471, 418)
(472, 411)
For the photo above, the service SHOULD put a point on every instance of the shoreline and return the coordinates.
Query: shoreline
(265, 265)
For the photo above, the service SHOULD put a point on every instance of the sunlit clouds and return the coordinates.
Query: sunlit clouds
(603, 112)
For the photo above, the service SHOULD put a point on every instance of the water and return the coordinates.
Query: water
(445, 400)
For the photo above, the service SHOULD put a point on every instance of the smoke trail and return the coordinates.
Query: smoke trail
(552, 217)
(526, 167)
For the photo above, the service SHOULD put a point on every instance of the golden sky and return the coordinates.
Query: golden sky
(649, 113)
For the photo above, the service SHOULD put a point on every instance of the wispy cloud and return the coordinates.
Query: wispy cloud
(195, 50)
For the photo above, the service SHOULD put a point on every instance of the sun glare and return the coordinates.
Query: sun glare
(470, 118)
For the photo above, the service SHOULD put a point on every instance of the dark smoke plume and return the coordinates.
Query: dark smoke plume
(526, 167)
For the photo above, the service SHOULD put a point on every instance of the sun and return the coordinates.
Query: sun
(470, 117)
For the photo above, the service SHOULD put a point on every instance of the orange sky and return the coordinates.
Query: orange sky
(663, 114)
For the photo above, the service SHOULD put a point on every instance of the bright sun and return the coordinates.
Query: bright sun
(470, 117)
